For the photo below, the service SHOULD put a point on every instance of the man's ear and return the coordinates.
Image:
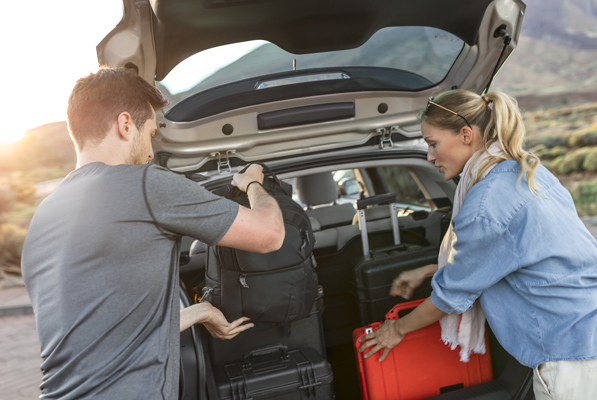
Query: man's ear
(125, 126)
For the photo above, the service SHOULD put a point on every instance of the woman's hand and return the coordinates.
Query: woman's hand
(391, 332)
(213, 320)
(219, 327)
(408, 281)
(386, 337)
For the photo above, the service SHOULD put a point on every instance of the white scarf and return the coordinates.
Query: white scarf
(470, 335)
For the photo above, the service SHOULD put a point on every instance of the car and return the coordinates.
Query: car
(326, 93)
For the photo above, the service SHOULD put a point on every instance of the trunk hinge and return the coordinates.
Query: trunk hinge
(386, 136)
(223, 163)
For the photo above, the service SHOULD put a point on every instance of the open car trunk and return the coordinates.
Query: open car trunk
(424, 209)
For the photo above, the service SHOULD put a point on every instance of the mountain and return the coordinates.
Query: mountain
(569, 23)
(555, 62)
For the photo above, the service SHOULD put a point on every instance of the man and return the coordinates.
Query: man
(100, 261)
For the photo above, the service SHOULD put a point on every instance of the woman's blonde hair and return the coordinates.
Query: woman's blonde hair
(498, 118)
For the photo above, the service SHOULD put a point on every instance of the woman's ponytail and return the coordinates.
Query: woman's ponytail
(506, 126)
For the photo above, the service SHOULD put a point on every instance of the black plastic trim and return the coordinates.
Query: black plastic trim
(305, 115)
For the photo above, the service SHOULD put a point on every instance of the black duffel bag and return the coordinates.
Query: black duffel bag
(277, 287)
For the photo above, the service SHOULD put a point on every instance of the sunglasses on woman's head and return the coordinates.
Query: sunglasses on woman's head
(430, 102)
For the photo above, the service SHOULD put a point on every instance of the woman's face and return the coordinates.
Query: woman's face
(448, 151)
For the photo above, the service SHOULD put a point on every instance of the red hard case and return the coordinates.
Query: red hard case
(420, 366)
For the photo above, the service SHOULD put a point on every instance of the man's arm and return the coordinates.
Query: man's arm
(213, 319)
(259, 229)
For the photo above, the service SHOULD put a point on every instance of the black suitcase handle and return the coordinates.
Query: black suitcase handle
(264, 350)
(387, 249)
(386, 198)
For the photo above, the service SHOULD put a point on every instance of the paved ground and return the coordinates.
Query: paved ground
(20, 375)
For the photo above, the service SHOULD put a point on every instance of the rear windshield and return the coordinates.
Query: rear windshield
(428, 52)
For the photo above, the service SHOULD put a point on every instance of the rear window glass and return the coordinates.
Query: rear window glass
(428, 52)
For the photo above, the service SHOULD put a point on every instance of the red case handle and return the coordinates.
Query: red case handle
(409, 305)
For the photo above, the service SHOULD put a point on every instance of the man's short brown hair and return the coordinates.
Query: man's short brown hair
(98, 99)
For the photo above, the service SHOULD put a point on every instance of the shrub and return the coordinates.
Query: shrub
(584, 195)
(586, 136)
(540, 151)
(547, 141)
(555, 164)
(548, 164)
(12, 238)
(590, 162)
(557, 151)
(572, 162)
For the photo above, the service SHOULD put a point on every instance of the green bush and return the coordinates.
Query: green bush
(586, 136)
(548, 164)
(547, 141)
(12, 238)
(572, 162)
(557, 151)
(555, 163)
(584, 195)
(590, 162)
(539, 150)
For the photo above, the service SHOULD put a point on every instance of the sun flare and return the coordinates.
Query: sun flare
(10, 136)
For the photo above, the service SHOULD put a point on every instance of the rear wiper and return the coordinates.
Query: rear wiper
(293, 80)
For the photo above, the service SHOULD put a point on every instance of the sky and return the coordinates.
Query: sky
(45, 47)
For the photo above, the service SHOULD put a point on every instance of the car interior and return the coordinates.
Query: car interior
(329, 197)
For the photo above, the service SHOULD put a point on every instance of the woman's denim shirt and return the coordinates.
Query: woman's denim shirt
(532, 264)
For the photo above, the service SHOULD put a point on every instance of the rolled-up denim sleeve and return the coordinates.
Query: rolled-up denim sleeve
(483, 253)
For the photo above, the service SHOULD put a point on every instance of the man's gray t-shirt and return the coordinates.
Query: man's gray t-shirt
(100, 263)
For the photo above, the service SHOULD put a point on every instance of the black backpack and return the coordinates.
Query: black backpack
(278, 287)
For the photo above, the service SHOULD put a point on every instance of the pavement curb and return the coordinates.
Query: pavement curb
(16, 311)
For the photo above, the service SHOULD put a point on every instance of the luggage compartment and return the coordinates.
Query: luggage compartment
(276, 373)
(342, 315)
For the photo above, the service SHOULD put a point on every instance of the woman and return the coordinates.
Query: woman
(516, 252)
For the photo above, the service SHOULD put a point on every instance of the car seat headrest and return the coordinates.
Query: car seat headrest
(316, 189)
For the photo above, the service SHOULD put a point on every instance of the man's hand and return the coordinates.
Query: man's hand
(253, 173)
(408, 281)
(386, 338)
(213, 320)
(260, 228)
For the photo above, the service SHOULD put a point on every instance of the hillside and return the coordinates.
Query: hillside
(569, 23)
(45, 152)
